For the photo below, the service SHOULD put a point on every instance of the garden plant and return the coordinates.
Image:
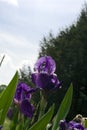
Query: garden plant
(20, 111)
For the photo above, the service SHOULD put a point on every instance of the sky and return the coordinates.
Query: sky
(24, 23)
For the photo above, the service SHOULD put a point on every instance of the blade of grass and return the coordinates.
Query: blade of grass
(42, 123)
(7, 97)
(64, 108)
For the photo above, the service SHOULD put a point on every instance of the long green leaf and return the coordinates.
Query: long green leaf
(85, 123)
(7, 97)
(14, 121)
(64, 108)
(42, 123)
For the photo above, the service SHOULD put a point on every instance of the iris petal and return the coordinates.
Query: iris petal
(26, 108)
(70, 126)
(45, 65)
(22, 92)
(22, 97)
(45, 81)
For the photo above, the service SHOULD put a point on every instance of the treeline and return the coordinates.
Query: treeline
(69, 50)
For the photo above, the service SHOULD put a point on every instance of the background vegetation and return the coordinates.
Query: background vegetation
(69, 50)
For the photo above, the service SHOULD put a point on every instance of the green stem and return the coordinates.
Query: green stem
(43, 104)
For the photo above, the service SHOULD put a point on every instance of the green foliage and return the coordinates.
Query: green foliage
(25, 75)
(86, 123)
(2, 60)
(2, 87)
(42, 123)
(69, 50)
(64, 108)
(7, 97)
(14, 121)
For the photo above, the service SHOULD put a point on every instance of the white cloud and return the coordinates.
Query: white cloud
(25, 63)
(23, 27)
(52, 5)
(8, 68)
(12, 2)
(7, 61)
(12, 39)
(16, 41)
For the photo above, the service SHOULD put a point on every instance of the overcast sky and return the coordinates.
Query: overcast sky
(23, 23)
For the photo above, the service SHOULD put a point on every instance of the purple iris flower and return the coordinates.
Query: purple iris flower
(27, 108)
(22, 98)
(72, 125)
(22, 92)
(45, 81)
(44, 76)
(45, 65)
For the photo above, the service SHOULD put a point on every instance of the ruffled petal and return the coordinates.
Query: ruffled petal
(45, 65)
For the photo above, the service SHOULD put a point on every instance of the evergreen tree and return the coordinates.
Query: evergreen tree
(25, 75)
(69, 50)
